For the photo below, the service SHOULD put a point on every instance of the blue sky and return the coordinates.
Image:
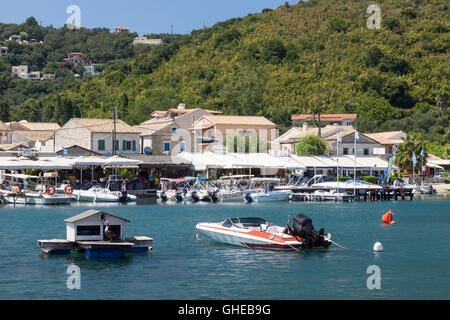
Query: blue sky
(142, 16)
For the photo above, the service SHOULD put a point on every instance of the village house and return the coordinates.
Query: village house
(3, 51)
(165, 136)
(182, 116)
(144, 40)
(90, 70)
(20, 71)
(15, 38)
(120, 29)
(32, 134)
(97, 135)
(388, 141)
(5, 133)
(286, 143)
(48, 76)
(216, 131)
(345, 119)
(74, 57)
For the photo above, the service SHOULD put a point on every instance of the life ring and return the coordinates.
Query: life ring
(68, 189)
(51, 190)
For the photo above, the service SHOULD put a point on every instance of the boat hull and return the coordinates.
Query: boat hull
(249, 239)
(268, 196)
(39, 200)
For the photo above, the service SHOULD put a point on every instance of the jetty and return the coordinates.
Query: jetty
(97, 234)
(349, 194)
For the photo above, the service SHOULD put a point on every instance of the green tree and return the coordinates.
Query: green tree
(311, 146)
(404, 155)
(4, 112)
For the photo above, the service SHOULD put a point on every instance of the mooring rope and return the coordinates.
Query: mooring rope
(337, 244)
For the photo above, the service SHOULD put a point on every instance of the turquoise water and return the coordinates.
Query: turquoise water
(414, 265)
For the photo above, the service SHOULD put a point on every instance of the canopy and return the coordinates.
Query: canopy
(41, 164)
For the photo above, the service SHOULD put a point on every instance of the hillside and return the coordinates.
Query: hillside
(315, 55)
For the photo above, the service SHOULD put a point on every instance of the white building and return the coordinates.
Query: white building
(97, 135)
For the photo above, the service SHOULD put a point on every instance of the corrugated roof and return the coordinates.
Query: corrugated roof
(90, 213)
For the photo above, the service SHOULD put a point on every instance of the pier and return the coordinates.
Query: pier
(367, 194)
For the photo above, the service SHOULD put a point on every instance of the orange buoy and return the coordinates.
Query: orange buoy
(388, 218)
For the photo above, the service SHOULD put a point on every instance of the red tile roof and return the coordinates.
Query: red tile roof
(326, 117)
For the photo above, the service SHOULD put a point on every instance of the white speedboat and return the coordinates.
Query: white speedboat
(232, 188)
(99, 194)
(260, 233)
(265, 191)
(34, 190)
(36, 198)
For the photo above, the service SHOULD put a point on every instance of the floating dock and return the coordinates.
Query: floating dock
(97, 249)
(97, 234)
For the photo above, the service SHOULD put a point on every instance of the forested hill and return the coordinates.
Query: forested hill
(314, 55)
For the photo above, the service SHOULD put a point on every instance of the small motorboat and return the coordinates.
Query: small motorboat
(260, 233)
(99, 194)
(264, 190)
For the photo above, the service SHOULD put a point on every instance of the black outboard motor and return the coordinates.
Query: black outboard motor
(303, 227)
(179, 196)
(123, 196)
(248, 197)
(163, 197)
(214, 195)
(195, 197)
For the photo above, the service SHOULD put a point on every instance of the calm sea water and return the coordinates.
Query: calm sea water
(414, 265)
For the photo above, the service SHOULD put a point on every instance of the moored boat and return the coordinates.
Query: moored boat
(264, 191)
(260, 233)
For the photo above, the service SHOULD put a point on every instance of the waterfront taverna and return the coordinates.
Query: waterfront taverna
(97, 234)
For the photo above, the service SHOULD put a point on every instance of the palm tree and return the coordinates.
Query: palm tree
(403, 157)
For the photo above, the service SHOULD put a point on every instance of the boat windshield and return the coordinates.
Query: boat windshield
(246, 222)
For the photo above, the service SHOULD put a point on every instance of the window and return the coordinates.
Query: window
(101, 145)
(366, 151)
(117, 145)
(126, 145)
(134, 145)
(182, 147)
(174, 130)
(166, 146)
(88, 230)
(345, 150)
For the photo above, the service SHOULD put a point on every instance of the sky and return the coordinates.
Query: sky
(141, 16)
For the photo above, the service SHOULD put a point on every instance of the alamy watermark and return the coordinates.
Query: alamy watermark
(374, 20)
(374, 280)
(74, 279)
(74, 20)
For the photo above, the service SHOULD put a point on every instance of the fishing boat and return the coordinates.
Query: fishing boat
(97, 234)
(261, 233)
(263, 190)
(32, 190)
